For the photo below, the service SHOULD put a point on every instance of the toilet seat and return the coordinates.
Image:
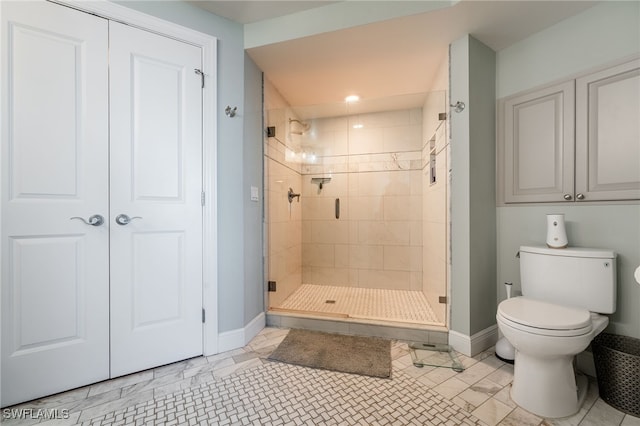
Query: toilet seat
(544, 318)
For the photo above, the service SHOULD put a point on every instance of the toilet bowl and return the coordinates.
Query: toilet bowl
(566, 294)
(546, 337)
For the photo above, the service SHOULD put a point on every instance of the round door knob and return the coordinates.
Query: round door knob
(567, 197)
(579, 196)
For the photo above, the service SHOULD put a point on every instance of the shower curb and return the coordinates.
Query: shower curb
(357, 327)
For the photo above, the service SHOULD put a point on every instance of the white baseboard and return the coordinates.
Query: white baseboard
(239, 337)
(254, 327)
(229, 340)
(473, 345)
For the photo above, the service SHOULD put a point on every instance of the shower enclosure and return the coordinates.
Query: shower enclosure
(366, 240)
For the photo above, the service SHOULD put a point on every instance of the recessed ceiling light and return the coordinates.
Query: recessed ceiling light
(352, 98)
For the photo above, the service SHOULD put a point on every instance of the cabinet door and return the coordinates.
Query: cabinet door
(608, 134)
(538, 132)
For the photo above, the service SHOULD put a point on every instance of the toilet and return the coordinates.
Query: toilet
(566, 294)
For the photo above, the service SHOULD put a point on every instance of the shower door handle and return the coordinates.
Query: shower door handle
(337, 208)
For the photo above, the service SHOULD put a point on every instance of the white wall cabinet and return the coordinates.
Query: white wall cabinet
(574, 141)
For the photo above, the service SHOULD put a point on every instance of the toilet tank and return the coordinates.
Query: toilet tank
(579, 277)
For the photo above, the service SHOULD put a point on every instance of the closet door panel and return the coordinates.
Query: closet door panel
(55, 324)
(157, 143)
(52, 173)
(156, 180)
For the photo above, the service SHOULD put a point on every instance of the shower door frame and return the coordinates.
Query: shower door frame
(268, 230)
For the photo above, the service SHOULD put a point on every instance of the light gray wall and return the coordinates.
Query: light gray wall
(231, 164)
(473, 220)
(460, 207)
(543, 58)
(534, 61)
(482, 146)
(601, 34)
(253, 176)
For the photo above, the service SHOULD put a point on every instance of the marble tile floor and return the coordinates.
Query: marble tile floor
(242, 387)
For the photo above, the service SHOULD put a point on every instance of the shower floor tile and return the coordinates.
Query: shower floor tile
(362, 303)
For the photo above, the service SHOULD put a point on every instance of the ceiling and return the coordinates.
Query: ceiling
(247, 11)
(390, 60)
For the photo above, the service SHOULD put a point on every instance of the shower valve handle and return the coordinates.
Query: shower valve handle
(291, 195)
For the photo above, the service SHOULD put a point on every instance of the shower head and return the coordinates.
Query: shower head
(305, 126)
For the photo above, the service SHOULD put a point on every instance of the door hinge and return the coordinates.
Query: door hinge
(201, 74)
(202, 198)
(203, 315)
(442, 299)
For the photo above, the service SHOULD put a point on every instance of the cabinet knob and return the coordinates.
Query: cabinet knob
(567, 197)
(580, 196)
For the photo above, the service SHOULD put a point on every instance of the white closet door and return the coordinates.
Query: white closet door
(156, 180)
(55, 288)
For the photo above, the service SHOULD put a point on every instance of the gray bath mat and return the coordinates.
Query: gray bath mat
(368, 356)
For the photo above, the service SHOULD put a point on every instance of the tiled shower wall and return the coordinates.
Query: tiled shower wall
(375, 171)
(392, 231)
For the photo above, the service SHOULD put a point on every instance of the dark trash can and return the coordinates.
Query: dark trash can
(617, 360)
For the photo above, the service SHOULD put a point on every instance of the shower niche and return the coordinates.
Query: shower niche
(361, 243)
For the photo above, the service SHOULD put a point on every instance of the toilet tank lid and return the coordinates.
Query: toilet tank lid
(570, 251)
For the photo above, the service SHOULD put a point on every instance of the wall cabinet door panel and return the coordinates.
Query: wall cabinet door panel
(539, 145)
(608, 134)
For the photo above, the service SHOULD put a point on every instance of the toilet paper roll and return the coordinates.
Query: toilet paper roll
(637, 274)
